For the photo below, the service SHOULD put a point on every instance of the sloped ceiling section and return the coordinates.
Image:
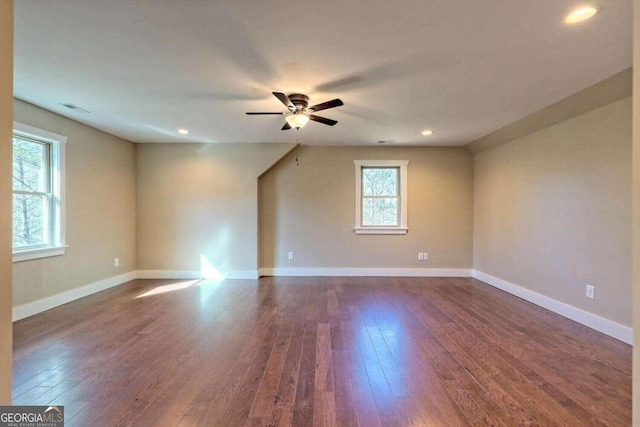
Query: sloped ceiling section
(464, 69)
(603, 93)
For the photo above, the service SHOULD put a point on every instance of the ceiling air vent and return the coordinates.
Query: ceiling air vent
(74, 107)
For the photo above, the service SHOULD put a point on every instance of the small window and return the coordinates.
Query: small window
(381, 197)
(38, 209)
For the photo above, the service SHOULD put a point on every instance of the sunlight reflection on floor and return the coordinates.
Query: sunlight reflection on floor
(169, 288)
(209, 274)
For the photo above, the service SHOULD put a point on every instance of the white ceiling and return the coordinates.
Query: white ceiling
(463, 68)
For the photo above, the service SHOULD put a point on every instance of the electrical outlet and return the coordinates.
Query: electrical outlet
(425, 256)
(290, 255)
(591, 292)
(420, 256)
(116, 262)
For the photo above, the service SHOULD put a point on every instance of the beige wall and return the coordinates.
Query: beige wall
(100, 210)
(200, 200)
(309, 209)
(636, 214)
(6, 126)
(552, 211)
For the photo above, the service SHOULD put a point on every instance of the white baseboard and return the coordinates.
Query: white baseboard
(608, 327)
(368, 272)
(35, 307)
(168, 274)
(195, 274)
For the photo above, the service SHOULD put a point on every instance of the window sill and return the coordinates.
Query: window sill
(30, 254)
(381, 230)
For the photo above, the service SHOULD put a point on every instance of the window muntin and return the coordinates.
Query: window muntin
(381, 197)
(38, 186)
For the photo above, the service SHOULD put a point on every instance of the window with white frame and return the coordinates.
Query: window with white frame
(38, 187)
(381, 197)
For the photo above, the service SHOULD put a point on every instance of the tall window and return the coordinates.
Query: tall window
(38, 173)
(381, 196)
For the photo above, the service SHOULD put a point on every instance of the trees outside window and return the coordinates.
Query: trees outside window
(380, 195)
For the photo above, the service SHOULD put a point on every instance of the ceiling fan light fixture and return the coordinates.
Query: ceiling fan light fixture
(297, 120)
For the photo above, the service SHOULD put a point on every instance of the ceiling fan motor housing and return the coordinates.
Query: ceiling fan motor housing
(299, 100)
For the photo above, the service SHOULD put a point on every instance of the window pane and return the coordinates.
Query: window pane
(29, 220)
(30, 169)
(380, 211)
(379, 181)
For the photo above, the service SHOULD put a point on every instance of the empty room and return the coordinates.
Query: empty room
(276, 213)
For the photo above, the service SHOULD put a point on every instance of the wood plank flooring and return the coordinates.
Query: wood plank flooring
(332, 351)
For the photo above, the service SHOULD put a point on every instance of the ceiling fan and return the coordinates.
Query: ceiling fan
(299, 114)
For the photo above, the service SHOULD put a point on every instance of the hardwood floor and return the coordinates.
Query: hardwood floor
(318, 352)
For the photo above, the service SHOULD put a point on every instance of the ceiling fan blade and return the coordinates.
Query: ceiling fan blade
(286, 126)
(284, 99)
(264, 114)
(322, 120)
(329, 104)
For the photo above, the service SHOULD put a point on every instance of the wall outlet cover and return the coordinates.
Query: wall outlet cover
(591, 292)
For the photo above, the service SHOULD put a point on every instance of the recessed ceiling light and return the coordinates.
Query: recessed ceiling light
(427, 132)
(183, 131)
(583, 13)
